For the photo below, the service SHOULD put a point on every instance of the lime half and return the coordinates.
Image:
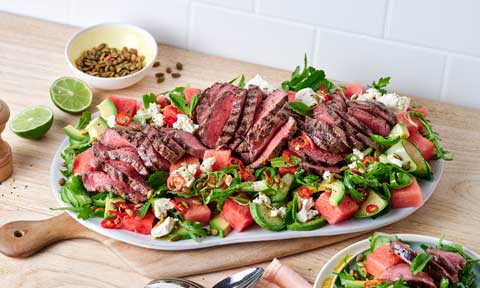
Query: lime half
(71, 95)
(33, 122)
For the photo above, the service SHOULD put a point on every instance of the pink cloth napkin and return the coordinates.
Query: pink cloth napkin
(277, 275)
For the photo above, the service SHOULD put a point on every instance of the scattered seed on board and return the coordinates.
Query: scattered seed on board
(61, 181)
(159, 74)
(160, 79)
(176, 75)
(179, 66)
(156, 64)
(168, 70)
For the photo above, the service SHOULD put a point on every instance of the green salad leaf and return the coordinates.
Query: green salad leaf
(280, 162)
(309, 77)
(148, 99)
(242, 82)
(194, 229)
(381, 84)
(419, 263)
(300, 108)
(85, 118)
(178, 100)
(157, 179)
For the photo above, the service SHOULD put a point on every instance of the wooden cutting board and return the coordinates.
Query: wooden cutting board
(25, 238)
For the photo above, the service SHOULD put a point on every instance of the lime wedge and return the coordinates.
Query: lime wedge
(33, 122)
(71, 95)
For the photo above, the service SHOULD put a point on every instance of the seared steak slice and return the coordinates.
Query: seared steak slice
(165, 146)
(377, 124)
(355, 137)
(275, 146)
(260, 134)
(271, 105)
(112, 139)
(322, 112)
(338, 102)
(123, 172)
(455, 261)
(375, 108)
(318, 156)
(234, 119)
(252, 104)
(318, 169)
(394, 273)
(206, 99)
(325, 136)
(101, 182)
(219, 113)
(126, 154)
(187, 140)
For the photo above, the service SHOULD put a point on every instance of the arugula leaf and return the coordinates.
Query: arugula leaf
(178, 100)
(193, 104)
(440, 153)
(99, 199)
(419, 263)
(300, 108)
(85, 118)
(310, 77)
(279, 162)
(384, 142)
(149, 99)
(242, 83)
(67, 155)
(233, 80)
(194, 229)
(146, 206)
(157, 179)
(381, 84)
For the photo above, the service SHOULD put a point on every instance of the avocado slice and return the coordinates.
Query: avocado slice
(219, 226)
(107, 108)
(110, 201)
(399, 130)
(75, 134)
(261, 215)
(372, 206)
(282, 193)
(398, 152)
(423, 169)
(311, 224)
(96, 128)
(338, 193)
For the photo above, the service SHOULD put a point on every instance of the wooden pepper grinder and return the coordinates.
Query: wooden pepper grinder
(6, 163)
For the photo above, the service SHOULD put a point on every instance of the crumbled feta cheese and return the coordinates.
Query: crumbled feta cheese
(370, 94)
(164, 228)
(161, 207)
(262, 199)
(307, 96)
(157, 120)
(278, 212)
(185, 123)
(326, 175)
(352, 165)
(153, 109)
(395, 102)
(110, 120)
(187, 171)
(142, 116)
(358, 155)
(262, 83)
(306, 213)
(207, 164)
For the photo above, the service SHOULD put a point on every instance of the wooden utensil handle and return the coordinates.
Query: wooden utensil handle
(24, 238)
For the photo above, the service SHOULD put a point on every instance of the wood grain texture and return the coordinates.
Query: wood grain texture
(31, 58)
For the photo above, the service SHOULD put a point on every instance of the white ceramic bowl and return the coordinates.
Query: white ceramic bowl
(116, 36)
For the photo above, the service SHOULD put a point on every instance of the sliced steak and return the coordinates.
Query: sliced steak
(318, 169)
(260, 134)
(188, 141)
(375, 108)
(325, 136)
(377, 124)
(112, 139)
(211, 128)
(277, 143)
(338, 102)
(451, 259)
(101, 182)
(271, 105)
(394, 273)
(126, 154)
(235, 115)
(123, 172)
(322, 112)
(318, 156)
(355, 137)
(206, 99)
(252, 104)
(164, 145)
(402, 250)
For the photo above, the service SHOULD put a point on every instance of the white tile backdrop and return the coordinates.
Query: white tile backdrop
(431, 48)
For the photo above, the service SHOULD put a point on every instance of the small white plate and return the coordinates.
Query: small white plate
(252, 234)
(326, 278)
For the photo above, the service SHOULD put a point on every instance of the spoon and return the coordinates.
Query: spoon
(244, 279)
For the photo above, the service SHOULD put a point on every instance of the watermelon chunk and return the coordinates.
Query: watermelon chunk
(380, 260)
(411, 128)
(352, 89)
(139, 225)
(237, 215)
(291, 96)
(410, 196)
(335, 214)
(188, 93)
(196, 211)
(125, 105)
(424, 145)
(82, 163)
(222, 158)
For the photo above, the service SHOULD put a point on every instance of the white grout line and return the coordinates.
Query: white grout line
(387, 19)
(446, 74)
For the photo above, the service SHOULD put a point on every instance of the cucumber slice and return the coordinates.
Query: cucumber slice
(282, 193)
(338, 193)
(312, 224)
(397, 155)
(399, 130)
(261, 215)
(372, 206)
(423, 169)
(75, 134)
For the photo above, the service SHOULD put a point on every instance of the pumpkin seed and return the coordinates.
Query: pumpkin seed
(156, 64)
(179, 66)
(176, 75)
(168, 70)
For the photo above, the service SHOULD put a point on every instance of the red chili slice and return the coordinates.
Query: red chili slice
(301, 142)
(122, 119)
(246, 175)
(175, 182)
(236, 161)
(179, 207)
(112, 223)
(286, 155)
(304, 192)
(287, 170)
(267, 177)
(367, 160)
(372, 208)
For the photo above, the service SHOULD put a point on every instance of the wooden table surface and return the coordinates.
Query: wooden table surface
(31, 58)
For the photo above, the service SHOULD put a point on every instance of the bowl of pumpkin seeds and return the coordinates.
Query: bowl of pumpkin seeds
(111, 56)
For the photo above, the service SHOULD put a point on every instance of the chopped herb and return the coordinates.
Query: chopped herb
(194, 229)
(157, 179)
(310, 77)
(419, 263)
(178, 100)
(149, 99)
(242, 83)
(300, 108)
(381, 84)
